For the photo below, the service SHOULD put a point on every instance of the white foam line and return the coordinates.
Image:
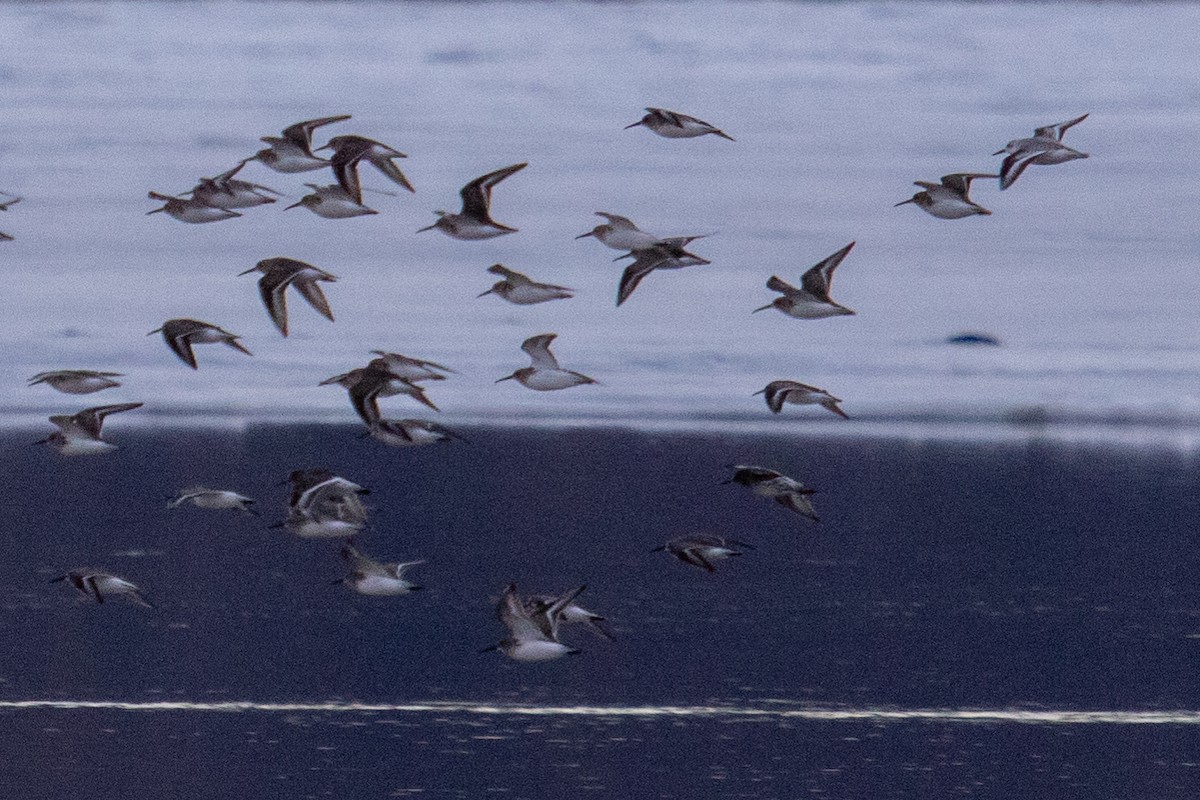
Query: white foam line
(1022, 716)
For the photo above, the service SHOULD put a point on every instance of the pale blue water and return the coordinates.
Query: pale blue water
(1083, 272)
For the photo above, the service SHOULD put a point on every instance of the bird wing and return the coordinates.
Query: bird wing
(92, 419)
(300, 134)
(818, 280)
(538, 348)
(477, 195)
(645, 262)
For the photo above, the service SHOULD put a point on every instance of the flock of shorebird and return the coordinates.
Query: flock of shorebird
(324, 505)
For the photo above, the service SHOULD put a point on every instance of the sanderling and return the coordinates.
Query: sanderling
(349, 150)
(411, 369)
(812, 300)
(676, 126)
(666, 254)
(278, 274)
(370, 577)
(533, 636)
(181, 334)
(410, 432)
(79, 434)
(77, 381)
(570, 614)
(101, 585)
(522, 290)
(545, 374)
(475, 221)
(787, 492)
(186, 209)
(701, 550)
(225, 192)
(331, 202)
(779, 392)
(202, 497)
(324, 506)
(620, 233)
(366, 385)
(948, 199)
(293, 151)
(1045, 147)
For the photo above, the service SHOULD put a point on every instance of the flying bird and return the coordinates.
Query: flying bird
(292, 152)
(522, 290)
(779, 392)
(79, 434)
(949, 199)
(348, 151)
(812, 300)
(673, 125)
(278, 274)
(474, 221)
(787, 492)
(181, 334)
(1045, 147)
(545, 374)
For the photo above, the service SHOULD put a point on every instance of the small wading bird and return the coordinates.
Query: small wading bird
(79, 434)
(101, 585)
(787, 492)
(666, 254)
(410, 432)
(812, 300)
(474, 221)
(324, 505)
(948, 199)
(77, 381)
(779, 392)
(348, 151)
(190, 210)
(521, 290)
(331, 202)
(701, 550)
(293, 151)
(412, 369)
(366, 385)
(201, 497)
(181, 334)
(620, 233)
(533, 636)
(545, 374)
(225, 192)
(1044, 148)
(370, 577)
(676, 126)
(540, 604)
(278, 274)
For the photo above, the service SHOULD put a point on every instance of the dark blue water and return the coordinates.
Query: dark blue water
(942, 576)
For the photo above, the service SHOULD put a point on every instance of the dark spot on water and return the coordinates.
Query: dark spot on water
(72, 333)
(456, 56)
(973, 339)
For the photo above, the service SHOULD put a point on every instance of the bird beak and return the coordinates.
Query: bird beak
(764, 308)
(634, 125)
(659, 549)
(156, 330)
(507, 378)
(155, 211)
(427, 228)
(59, 579)
(323, 147)
(247, 272)
(998, 153)
(35, 444)
(489, 291)
(902, 202)
(491, 649)
(293, 205)
(760, 391)
(585, 235)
